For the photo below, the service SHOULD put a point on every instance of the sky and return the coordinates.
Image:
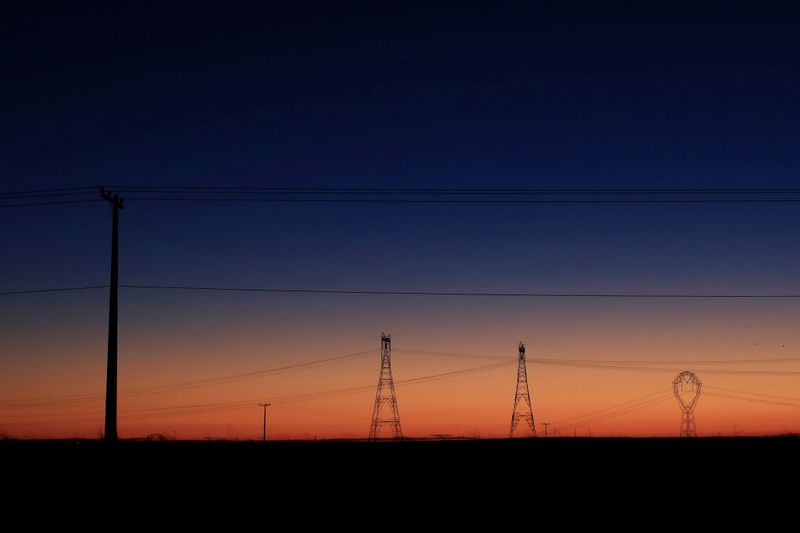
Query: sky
(397, 96)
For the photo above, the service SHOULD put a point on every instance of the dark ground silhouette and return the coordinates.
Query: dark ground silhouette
(344, 481)
(551, 454)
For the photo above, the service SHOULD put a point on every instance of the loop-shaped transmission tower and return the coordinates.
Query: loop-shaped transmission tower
(686, 387)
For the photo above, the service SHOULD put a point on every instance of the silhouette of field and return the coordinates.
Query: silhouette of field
(547, 455)
(345, 479)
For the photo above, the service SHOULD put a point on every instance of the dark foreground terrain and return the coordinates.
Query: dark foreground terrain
(545, 455)
(523, 474)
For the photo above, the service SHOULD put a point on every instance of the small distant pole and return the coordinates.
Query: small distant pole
(545, 424)
(111, 366)
(265, 405)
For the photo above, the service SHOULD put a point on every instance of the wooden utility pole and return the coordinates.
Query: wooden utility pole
(111, 367)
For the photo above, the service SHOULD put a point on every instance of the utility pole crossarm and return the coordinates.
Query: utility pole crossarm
(113, 199)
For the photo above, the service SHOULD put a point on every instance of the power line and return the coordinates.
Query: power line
(411, 292)
(60, 202)
(235, 378)
(611, 361)
(57, 289)
(44, 195)
(614, 414)
(470, 201)
(423, 191)
(457, 354)
(485, 195)
(690, 361)
(503, 360)
(636, 368)
(613, 365)
(257, 193)
(735, 391)
(320, 395)
(626, 404)
(403, 382)
(754, 400)
(590, 418)
(616, 410)
(49, 401)
(87, 189)
(453, 190)
(308, 396)
(453, 293)
(478, 195)
(178, 386)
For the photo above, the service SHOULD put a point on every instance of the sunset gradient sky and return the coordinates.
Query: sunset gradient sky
(482, 96)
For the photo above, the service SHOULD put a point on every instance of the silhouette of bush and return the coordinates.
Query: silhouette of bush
(157, 437)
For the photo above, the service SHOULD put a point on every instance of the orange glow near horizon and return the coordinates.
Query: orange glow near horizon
(470, 405)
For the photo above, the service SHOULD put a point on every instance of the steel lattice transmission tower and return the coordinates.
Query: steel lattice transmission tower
(385, 410)
(523, 409)
(687, 382)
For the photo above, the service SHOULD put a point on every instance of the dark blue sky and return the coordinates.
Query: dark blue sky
(170, 93)
(353, 96)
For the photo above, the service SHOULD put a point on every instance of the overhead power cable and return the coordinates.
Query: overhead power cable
(645, 398)
(58, 202)
(60, 190)
(614, 414)
(458, 201)
(707, 387)
(310, 396)
(754, 400)
(440, 191)
(366, 292)
(433, 195)
(608, 361)
(414, 190)
(68, 399)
